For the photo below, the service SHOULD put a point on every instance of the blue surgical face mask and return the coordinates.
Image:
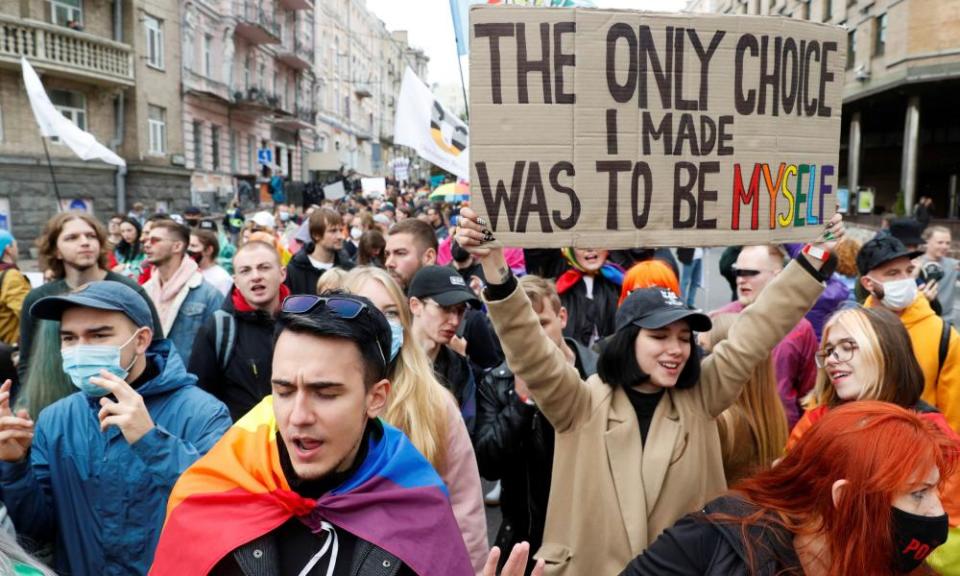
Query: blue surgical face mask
(82, 362)
(396, 338)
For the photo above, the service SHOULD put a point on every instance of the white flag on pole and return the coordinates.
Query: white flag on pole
(426, 126)
(54, 124)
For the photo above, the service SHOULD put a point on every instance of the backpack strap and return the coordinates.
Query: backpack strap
(944, 345)
(224, 337)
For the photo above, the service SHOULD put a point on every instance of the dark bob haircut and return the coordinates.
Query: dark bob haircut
(617, 364)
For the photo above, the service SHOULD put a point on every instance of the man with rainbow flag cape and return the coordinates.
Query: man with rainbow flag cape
(310, 481)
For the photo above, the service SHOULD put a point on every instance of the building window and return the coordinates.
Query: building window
(154, 32)
(827, 10)
(880, 41)
(215, 146)
(247, 65)
(851, 48)
(208, 55)
(67, 12)
(197, 144)
(157, 124)
(1, 124)
(251, 155)
(72, 105)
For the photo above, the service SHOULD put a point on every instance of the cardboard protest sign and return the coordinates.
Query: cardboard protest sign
(616, 129)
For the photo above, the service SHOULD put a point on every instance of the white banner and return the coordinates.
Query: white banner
(54, 124)
(334, 191)
(426, 126)
(373, 187)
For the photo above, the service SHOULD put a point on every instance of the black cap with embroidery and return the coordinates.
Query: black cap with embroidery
(654, 308)
(443, 285)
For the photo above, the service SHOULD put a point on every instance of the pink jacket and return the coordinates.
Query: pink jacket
(462, 477)
(793, 361)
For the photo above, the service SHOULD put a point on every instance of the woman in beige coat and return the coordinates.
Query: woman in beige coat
(637, 445)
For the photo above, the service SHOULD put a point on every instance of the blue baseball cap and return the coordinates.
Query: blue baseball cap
(103, 295)
(6, 239)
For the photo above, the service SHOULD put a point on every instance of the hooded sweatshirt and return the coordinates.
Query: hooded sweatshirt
(941, 388)
(100, 499)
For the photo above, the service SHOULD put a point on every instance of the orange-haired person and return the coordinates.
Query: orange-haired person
(858, 494)
(866, 354)
(649, 274)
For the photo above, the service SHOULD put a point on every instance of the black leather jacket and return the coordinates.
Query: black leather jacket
(514, 443)
(700, 546)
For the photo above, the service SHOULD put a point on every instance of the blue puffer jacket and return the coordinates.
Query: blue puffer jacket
(100, 499)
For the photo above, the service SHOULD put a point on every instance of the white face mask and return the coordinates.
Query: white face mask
(356, 233)
(898, 294)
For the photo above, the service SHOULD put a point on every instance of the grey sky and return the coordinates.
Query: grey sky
(431, 28)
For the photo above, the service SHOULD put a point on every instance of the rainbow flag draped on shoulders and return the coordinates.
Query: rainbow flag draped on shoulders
(237, 492)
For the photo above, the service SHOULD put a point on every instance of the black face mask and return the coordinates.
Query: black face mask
(915, 537)
(196, 256)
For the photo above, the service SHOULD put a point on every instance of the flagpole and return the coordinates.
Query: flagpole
(456, 42)
(463, 86)
(56, 189)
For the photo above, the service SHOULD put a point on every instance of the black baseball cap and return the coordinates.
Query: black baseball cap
(193, 211)
(443, 285)
(908, 231)
(654, 308)
(102, 295)
(881, 250)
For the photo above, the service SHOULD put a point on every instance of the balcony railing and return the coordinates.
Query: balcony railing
(297, 54)
(66, 52)
(255, 23)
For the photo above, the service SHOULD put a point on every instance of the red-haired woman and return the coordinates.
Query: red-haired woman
(649, 274)
(858, 494)
(866, 354)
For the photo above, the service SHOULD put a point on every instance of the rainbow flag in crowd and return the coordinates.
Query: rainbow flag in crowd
(237, 493)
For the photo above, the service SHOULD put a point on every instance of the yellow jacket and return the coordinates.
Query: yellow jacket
(13, 290)
(925, 329)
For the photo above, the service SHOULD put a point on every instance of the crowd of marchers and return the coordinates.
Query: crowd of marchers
(319, 390)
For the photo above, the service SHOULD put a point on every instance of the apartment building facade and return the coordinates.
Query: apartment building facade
(113, 67)
(360, 70)
(248, 93)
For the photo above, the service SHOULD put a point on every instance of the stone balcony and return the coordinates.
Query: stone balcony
(296, 53)
(255, 23)
(297, 4)
(67, 53)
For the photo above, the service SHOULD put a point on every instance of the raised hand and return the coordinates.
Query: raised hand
(516, 563)
(16, 430)
(128, 412)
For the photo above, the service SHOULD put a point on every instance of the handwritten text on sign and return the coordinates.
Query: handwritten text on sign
(620, 129)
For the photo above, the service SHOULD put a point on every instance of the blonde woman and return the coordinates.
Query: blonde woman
(426, 412)
(866, 354)
(753, 432)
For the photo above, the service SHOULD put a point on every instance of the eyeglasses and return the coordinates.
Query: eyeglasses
(842, 352)
(341, 306)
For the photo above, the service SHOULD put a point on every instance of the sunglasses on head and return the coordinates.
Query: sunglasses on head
(341, 306)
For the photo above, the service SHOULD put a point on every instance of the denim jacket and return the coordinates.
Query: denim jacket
(197, 301)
